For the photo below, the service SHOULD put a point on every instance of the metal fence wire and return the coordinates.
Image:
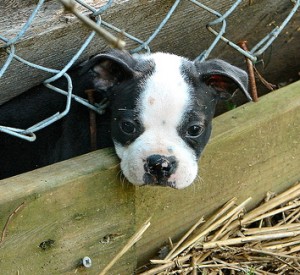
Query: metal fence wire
(99, 26)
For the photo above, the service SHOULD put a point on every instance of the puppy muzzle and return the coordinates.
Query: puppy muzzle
(158, 170)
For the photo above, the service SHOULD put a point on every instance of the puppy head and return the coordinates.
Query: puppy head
(162, 108)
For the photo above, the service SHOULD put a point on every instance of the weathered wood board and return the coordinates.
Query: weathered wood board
(89, 210)
(55, 37)
(81, 209)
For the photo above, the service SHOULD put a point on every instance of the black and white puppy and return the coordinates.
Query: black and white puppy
(162, 107)
(161, 110)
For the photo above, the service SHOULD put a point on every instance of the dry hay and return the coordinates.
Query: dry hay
(265, 240)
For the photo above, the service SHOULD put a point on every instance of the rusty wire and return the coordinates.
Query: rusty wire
(10, 48)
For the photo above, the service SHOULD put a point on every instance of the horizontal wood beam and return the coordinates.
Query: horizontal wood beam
(55, 36)
(88, 209)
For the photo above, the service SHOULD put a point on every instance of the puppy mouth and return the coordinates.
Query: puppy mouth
(150, 179)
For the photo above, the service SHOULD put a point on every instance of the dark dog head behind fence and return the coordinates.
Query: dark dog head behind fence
(159, 117)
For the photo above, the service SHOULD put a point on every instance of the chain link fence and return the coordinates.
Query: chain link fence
(99, 26)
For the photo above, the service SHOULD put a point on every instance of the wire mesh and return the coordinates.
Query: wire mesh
(9, 46)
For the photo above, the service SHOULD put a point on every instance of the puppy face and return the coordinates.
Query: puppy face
(162, 106)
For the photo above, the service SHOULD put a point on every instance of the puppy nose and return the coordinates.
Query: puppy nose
(160, 167)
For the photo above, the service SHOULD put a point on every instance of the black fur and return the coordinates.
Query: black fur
(119, 77)
(64, 139)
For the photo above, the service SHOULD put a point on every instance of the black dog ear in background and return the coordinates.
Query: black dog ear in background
(223, 77)
(109, 68)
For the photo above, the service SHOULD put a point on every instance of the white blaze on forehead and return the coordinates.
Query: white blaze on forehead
(165, 95)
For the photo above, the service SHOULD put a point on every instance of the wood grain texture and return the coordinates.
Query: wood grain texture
(80, 205)
(254, 149)
(55, 37)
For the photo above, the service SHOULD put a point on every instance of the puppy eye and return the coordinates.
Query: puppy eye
(194, 131)
(128, 127)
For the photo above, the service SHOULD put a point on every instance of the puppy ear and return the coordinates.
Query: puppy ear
(223, 77)
(109, 69)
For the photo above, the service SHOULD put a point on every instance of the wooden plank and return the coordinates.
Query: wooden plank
(254, 149)
(55, 37)
(80, 205)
